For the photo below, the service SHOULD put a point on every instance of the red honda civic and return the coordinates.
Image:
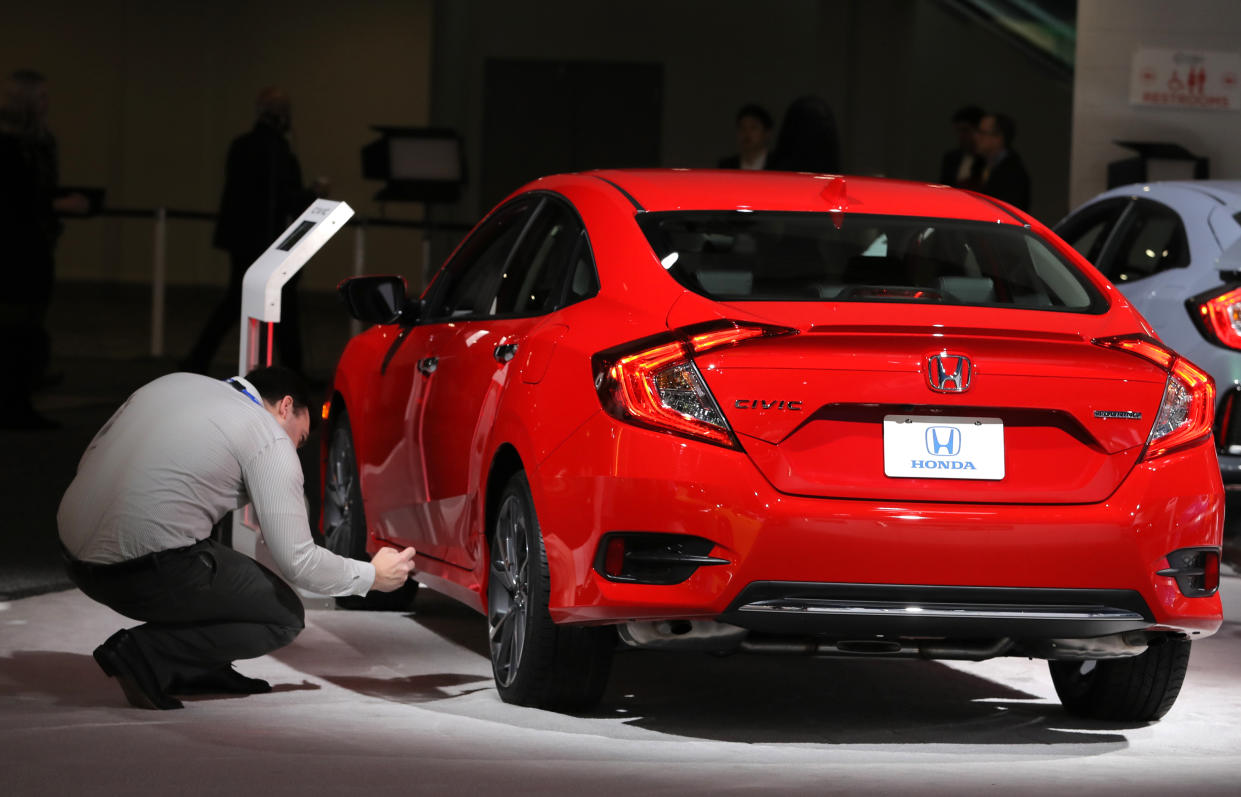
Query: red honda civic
(732, 411)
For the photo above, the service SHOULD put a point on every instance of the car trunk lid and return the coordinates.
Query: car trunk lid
(1064, 419)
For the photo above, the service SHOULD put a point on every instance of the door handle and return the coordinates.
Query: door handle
(505, 352)
(427, 365)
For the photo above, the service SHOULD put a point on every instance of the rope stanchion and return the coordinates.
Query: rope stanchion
(159, 255)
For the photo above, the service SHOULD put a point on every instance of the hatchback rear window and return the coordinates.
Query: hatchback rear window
(739, 256)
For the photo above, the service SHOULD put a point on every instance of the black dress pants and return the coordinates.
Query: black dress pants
(202, 606)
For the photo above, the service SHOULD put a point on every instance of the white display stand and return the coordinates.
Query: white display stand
(260, 291)
(260, 312)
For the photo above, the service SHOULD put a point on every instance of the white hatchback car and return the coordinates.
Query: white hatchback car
(1174, 250)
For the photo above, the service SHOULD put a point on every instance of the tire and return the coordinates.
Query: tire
(1137, 689)
(344, 520)
(536, 662)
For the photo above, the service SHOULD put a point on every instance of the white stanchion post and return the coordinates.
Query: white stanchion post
(260, 309)
(159, 275)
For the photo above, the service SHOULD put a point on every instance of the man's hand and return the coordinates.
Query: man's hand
(392, 568)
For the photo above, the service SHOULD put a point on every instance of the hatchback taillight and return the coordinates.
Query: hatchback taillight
(1217, 314)
(654, 382)
(1188, 405)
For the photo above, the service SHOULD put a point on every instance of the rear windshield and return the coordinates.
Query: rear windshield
(738, 256)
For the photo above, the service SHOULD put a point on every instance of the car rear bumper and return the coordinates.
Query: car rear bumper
(610, 477)
(802, 608)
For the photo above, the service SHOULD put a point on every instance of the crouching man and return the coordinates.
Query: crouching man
(179, 454)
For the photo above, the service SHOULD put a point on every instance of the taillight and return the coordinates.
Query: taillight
(1185, 413)
(654, 382)
(1217, 314)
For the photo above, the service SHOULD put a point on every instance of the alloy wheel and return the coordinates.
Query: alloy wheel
(338, 495)
(508, 590)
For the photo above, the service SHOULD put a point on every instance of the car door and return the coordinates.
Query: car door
(476, 356)
(394, 474)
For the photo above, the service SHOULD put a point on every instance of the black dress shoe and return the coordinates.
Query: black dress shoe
(120, 658)
(225, 680)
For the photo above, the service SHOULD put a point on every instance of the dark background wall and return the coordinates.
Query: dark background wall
(893, 71)
(148, 93)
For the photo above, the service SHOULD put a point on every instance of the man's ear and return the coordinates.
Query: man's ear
(285, 407)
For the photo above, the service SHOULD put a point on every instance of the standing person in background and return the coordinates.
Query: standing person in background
(263, 193)
(29, 227)
(961, 167)
(1004, 176)
(807, 141)
(753, 138)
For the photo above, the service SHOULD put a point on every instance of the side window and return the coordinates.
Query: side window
(585, 283)
(1152, 240)
(467, 285)
(1088, 231)
(547, 258)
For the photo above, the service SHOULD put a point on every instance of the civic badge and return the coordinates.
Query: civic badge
(949, 373)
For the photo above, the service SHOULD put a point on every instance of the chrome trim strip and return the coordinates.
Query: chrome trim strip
(940, 611)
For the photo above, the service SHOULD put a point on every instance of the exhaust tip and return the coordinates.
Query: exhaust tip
(869, 647)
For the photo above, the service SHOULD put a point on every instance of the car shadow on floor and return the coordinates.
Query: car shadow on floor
(414, 688)
(772, 699)
(753, 698)
(453, 622)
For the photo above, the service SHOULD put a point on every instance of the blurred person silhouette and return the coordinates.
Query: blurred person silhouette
(961, 167)
(807, 141)
(1004, 176)
(263, 193)
(29, 228)
(753, 139)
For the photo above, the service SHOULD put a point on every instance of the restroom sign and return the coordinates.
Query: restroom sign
(1190, 79)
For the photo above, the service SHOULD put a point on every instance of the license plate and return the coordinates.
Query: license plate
(937, 447)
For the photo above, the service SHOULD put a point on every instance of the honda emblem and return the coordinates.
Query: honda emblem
(949, 373)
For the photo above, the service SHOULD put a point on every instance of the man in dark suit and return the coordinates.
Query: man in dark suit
(961, 167)
(1004, 176)
(263, 193)
(753, 137)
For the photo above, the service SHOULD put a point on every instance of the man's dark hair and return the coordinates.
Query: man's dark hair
(971, 114)
(1007, 128)
(756, 111)
(275, 382)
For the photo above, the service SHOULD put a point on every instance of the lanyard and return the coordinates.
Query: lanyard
(241, 385)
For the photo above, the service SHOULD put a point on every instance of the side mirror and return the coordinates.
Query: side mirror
(377, 300)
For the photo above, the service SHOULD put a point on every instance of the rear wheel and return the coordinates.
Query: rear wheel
(1138, 689)
(344, 519)
(536, 662)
